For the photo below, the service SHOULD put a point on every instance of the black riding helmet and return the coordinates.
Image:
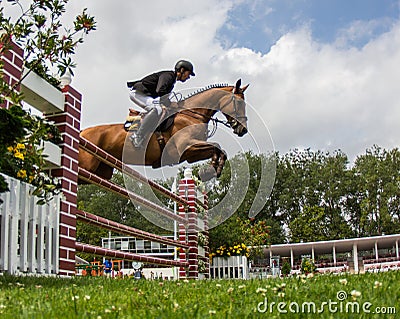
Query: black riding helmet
(186, 65)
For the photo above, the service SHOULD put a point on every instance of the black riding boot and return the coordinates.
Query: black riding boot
(149, 122)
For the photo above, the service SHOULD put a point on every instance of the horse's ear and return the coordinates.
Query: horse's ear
(237, 85)
(245, 88)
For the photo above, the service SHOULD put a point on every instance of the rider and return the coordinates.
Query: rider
(151, 92)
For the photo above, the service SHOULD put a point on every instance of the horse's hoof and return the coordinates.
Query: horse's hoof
(207, 173)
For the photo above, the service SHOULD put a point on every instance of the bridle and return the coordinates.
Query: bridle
(236, 118)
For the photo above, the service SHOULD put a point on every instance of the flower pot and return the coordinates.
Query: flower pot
(40, 94)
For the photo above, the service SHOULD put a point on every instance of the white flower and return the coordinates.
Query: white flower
(355, 294)
(281, 294)
(75, 298)
(218, 285)
(241, 286)
(176, 305)
(212, 312)
(87, 297)
(230, 290)
(343, 281)
(262, 290)
(377, 284)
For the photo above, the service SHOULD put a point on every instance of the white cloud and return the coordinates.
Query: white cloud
(323, 96)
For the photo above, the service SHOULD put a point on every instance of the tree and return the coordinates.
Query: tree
(38, 31)
(376, 201)
(309, 225)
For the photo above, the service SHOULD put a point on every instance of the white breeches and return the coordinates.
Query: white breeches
(145, 102)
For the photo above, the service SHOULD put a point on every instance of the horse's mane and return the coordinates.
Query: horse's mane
(206, 88)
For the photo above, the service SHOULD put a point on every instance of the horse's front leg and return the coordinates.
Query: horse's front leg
(203, 150)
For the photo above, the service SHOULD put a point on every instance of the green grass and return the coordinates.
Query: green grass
(45, 297)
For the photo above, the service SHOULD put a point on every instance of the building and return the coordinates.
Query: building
(145, 247)
(356, 254)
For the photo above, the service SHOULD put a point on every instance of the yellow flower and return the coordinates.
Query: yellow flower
(20, 146)
(21, 173)
(10, 149)
(19, 155)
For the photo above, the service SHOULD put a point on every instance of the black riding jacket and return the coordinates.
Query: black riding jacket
(155, 85)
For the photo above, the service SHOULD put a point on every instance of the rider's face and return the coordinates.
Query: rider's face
(185, 75)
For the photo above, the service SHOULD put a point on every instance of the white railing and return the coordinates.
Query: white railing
(229, 267)
(29, 241)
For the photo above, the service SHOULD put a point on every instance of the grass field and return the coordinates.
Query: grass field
(327, 296)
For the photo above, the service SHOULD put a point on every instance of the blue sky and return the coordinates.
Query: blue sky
(259, 24)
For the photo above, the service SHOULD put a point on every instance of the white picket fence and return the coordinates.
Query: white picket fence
(29, 238)
(234, 267)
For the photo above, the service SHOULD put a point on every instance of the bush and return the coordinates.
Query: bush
(307, 266)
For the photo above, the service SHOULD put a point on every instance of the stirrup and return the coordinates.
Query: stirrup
(137, 141)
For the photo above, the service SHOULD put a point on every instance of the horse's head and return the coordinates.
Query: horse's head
(234, 109)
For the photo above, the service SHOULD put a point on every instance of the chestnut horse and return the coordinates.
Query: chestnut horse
(185, 140)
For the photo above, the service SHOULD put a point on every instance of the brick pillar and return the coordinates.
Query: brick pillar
(13, 65)
(68, 122)
(187, 190)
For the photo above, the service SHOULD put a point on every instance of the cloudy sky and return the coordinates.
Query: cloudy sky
(323, 74)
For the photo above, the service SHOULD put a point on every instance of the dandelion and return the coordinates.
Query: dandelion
(343, 281)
